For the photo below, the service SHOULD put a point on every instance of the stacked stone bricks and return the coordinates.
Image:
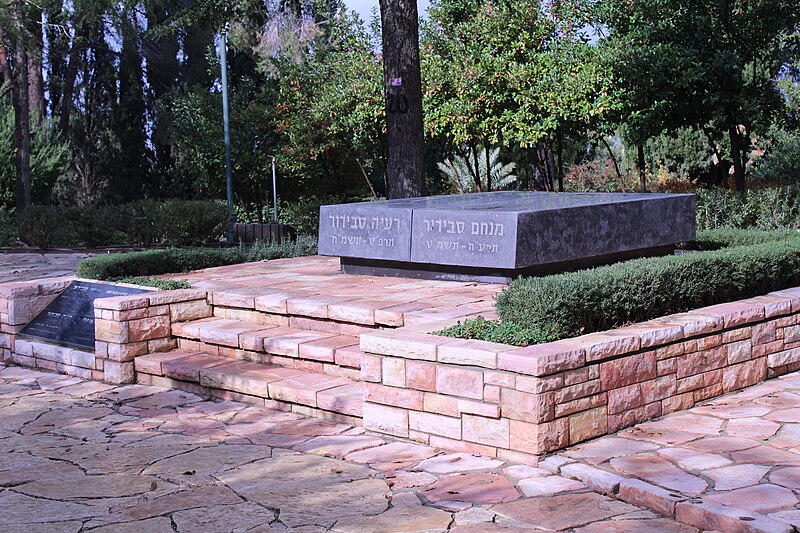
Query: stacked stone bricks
(503, 401)
(130, 326)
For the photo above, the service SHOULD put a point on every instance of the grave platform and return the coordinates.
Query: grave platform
(300, 335)
(494, 237)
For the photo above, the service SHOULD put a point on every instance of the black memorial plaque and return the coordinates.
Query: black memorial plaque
(69, 319)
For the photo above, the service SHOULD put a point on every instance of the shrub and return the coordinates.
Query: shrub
(175, 222)
(176, 260)
(495, 331)
(8, 229)
(580, 302)
(48, 226)
(781, 161)
(163, 284)
(192, 223)
(768, 208)
(714, 239)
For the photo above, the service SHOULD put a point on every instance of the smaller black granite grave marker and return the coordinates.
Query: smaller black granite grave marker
(69, 319)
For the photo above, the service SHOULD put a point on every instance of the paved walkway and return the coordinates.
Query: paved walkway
(738, 454)
(26, 266)
(86, 456)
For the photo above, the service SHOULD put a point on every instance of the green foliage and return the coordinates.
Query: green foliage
(781, 161)
(714, 239)
(510, 73)
(701, 64)
(330, 111)
(191, 223)
(162, 284)
(303, 214)
(496, 331)
(768, 208)
(175, 222)
(580, 302)
(177, 260)
(684, 152)
(490, 174)
(8, 229)
(50, 159)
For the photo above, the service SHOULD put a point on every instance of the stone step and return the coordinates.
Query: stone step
(278, 341)
(216, 375)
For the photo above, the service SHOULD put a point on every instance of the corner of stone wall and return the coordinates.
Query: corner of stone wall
(127, 327)
(20, 302)
(501, 400)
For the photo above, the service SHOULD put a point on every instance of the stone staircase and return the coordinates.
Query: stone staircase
(285, 333)
(312, 372)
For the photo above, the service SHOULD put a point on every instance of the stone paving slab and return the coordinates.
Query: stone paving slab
(79, 456)
(24, 266)
(731, 463)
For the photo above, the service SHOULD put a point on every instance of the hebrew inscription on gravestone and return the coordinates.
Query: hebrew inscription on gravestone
(497, 236)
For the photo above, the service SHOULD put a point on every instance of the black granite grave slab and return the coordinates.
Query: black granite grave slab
(497, 236)
(69, 319)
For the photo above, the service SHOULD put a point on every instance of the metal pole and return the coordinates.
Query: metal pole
(223, 59)
(274, 193)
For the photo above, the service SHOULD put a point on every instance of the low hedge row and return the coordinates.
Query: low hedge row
(177, 260)
(598, 299)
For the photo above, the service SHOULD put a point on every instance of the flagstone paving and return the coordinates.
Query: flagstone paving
(81, 456)
(738, 454)
(26, 266)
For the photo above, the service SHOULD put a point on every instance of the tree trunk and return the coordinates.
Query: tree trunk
(736, 155)
(22, 124)
(4, 66)
(641, 164)
(35, 74)
(488, 167)
(616, 165)
(560, 161)
(405, 142)
(68, 87)
(546, 163)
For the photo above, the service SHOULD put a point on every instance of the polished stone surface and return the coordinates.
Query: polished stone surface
(502, 232)
(69, 319)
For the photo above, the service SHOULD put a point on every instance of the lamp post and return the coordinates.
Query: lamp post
(274, 192)
(223, 60)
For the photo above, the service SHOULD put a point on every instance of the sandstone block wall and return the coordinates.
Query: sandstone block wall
(129, 326)
(504, 401)
(125, 327)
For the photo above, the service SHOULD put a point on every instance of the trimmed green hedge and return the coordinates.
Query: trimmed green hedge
(177, 260)
(575, 303)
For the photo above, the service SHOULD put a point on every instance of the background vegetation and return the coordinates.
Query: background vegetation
(123, 102)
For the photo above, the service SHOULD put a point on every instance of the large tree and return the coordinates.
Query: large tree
(518, 74)
(709, 64)
(405, 139)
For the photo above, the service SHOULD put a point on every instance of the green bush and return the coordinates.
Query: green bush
(768, 208)
(163, 284)
(715, 239)
(781, 162)
(497, 331)
(192, 223)
(177, 260)
(175, 222)
(8, 229)
(598, 299)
